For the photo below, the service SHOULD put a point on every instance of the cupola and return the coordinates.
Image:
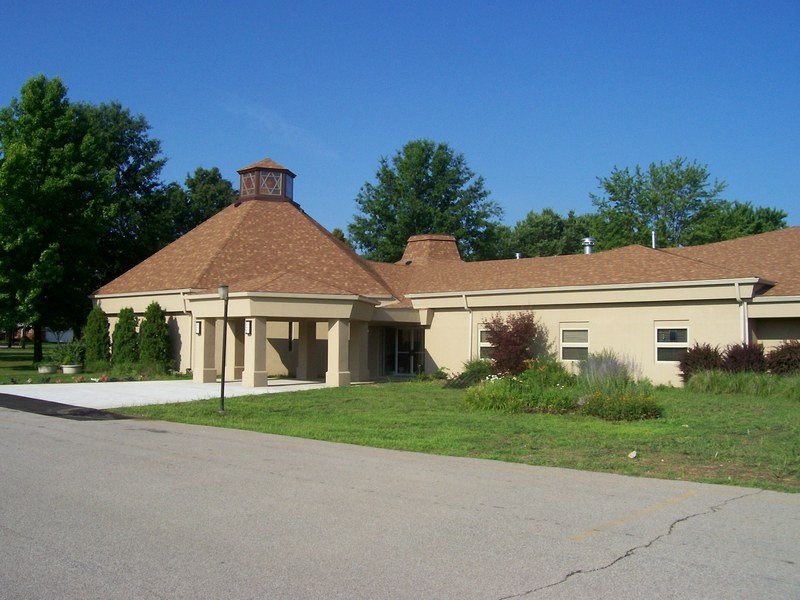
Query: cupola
(266, 180)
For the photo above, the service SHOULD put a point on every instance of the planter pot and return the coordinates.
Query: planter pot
(71, 369)
(47, 369)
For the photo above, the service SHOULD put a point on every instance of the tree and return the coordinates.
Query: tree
(72, 180)
(730, 220)
(515, 340)
(549, 234)
(339, 235)
(426, 188)
(95, 336)
(670, 199)
(154, 338)
(125, 342)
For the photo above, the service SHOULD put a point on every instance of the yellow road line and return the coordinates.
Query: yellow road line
(632, 516)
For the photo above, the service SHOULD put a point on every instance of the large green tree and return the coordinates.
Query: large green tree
(425, 188)
(678, 201)
(668, 198)
(549, 234)
(72, 179)
(730, 220)
(207, 193)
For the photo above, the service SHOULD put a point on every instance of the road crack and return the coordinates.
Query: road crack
(631, 551)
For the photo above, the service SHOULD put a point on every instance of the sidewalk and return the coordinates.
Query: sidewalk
(139, 393)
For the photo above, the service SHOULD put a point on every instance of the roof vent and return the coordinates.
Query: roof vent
(588, 244)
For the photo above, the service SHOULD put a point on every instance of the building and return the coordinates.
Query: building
(302, 304)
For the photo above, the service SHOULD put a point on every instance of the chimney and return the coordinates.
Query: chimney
(653, 238)
(588, 244)
(517, 255)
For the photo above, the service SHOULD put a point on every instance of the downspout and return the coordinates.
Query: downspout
(743, 316)
(470, 336)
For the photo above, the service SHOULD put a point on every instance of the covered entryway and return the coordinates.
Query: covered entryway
(403, 350)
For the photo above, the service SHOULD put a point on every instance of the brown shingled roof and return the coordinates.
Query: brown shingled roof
(774, 256)
(629, 265)
(256, 246)
(266, 163)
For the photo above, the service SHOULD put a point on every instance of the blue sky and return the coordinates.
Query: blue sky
(540, 97)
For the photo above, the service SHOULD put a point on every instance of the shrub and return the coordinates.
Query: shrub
(547, 372)
(95, 337)
(762, 385)
(739, 358)
(784, 359)
(622, 407)
(545, 387)
(125, 343)
(700, 357)
(474, 372)
(607, 371)
(498, 394)
(515, 340)
(154, 338)
(71, 353)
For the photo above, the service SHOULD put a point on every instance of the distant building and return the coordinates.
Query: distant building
(304, 305)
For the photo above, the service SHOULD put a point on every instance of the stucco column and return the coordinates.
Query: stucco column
(359, 351)
(306, 338)
(338, 374)
(204, 369)
(255, 354)
(236, 348)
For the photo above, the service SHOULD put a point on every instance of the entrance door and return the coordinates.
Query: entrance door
(404, 350)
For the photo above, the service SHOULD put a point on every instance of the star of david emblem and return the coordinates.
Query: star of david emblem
(271, 184)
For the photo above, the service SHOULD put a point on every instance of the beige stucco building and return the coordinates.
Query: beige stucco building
(301, 304)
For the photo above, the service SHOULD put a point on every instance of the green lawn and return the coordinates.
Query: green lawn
(737, 439)
(718, 439)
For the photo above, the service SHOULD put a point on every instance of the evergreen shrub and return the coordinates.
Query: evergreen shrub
(154, 351)
(96, 339)
(125, 341)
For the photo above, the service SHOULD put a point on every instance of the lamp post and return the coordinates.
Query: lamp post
(223, 295)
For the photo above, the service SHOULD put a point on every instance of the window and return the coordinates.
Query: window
(574, 344)
(671, 343)
(484, 347)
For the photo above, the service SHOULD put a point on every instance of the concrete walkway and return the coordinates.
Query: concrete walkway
(139, 393)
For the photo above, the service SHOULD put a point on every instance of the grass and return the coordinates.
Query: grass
(739, 440)
(16, 366)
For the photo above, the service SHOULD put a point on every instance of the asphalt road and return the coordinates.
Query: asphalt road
(96, 507)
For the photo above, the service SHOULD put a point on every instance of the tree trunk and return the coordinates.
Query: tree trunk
(37, 342)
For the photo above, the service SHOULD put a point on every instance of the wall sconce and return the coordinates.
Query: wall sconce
(248, 327)
(198, 327)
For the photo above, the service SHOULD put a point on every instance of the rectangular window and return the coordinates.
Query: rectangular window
(671, 343)
(574, 344)
(484, 347)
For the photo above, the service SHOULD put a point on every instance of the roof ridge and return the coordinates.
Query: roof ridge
(361, 262)
(227, 240)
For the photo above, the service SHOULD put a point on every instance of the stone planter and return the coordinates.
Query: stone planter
(71, 369)
(47, 369)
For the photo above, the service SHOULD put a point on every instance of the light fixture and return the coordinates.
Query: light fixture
(198, 327)
(248, 327)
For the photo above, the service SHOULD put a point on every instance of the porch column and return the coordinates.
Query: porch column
(306, 338)
(236, 348)
(338, 374)
(204, 369)
(359, 350)
(255, 354)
